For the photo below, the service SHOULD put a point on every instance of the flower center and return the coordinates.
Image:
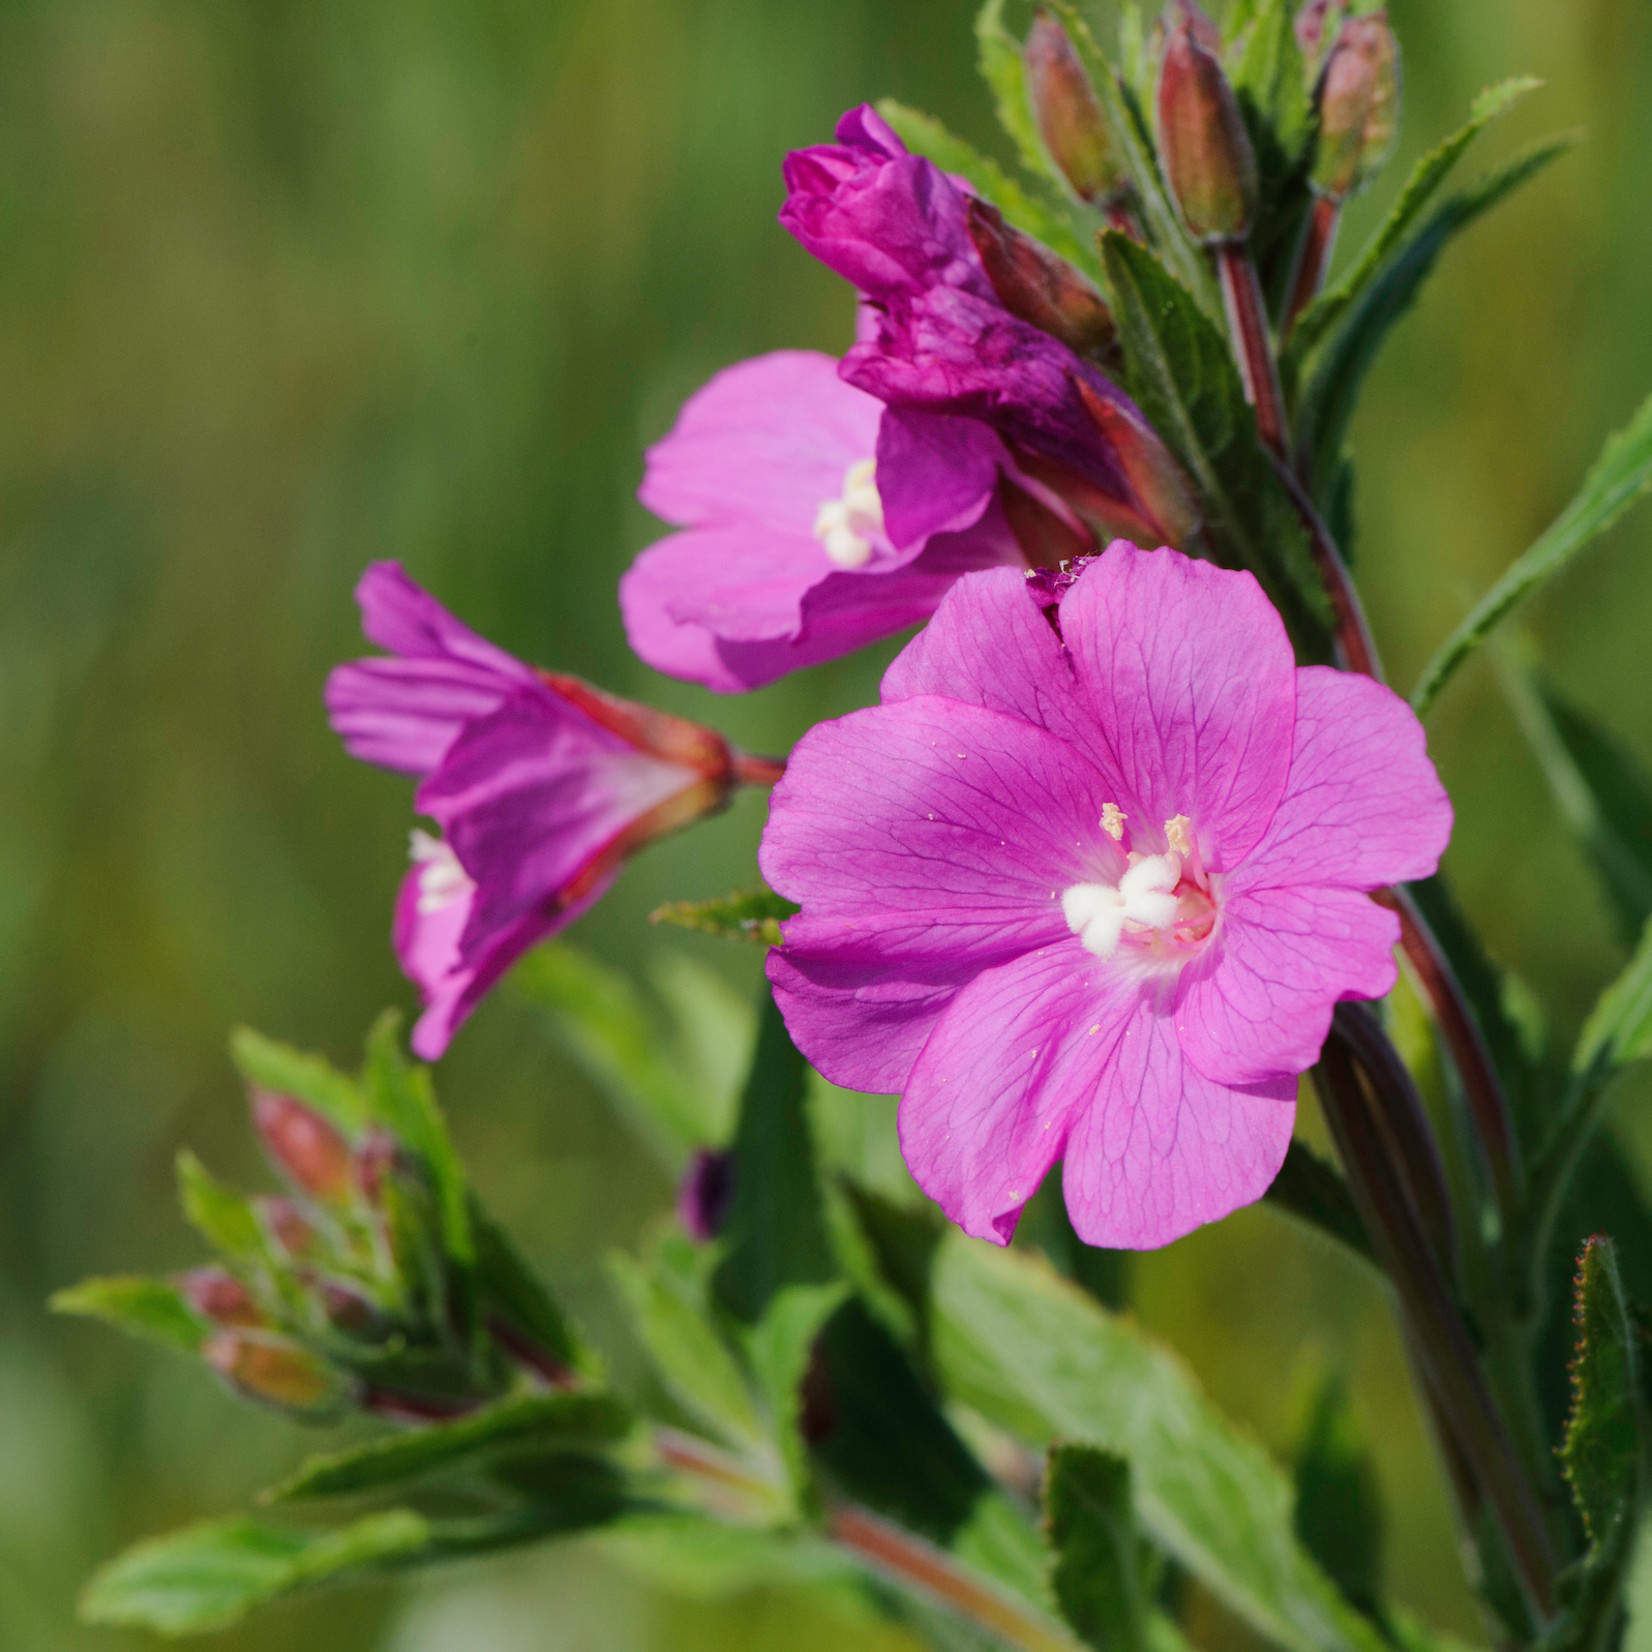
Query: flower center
(1162, 905)
(846, 526)
(442, 880)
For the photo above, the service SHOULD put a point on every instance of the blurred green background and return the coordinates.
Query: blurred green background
(286, 286)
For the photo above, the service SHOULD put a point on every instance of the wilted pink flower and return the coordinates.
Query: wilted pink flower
(815, 522)
(1090, 890)
(542, 786)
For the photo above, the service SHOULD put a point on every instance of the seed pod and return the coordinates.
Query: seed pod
(1038, 286)
(1359, 106)
(1206, 150)
(1068, 117)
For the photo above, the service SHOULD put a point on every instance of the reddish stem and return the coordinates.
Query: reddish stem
(756, 771)
(1356, 649)
(1313, 255)
(1248, 323)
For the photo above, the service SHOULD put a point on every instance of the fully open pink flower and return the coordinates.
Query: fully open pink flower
(542, 786)
(1089, 890)
(815, 523)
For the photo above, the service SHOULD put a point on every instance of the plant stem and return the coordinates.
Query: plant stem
(1356, 649)
(1248, 323)
(1313, 255)
(757, 771)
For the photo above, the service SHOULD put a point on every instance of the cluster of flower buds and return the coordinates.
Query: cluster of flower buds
(373, 1281)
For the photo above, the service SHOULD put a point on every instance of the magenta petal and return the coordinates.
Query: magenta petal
(404, 713)
(402, 618)
(764, 442)
(1193, 682)
(1363, 806)
(930, 831)
(936, 474)
(1263, 1005)
(990, 644)
(1012, 1062)
(1162, 1150)
(741, 583)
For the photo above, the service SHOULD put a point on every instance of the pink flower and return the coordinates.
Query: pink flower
(1088, 884)
(542, 786)
(815, 523)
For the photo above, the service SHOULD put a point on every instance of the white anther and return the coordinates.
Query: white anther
(1112, 821)
(1145, 897)
(442, 880)
(847, 525)
(1179, 833)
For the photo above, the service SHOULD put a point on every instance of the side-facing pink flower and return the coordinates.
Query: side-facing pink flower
(1088, 884)
(542, 786)
(814, 521)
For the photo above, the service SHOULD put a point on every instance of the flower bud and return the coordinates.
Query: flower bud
(1316, 27)
(273, 1370)
(705, 1195)
(1207, 153)
(1038, 286)
(303, 1146)
(220, 1297)
(1359, 106)
(1068, 118)
(286, 1225)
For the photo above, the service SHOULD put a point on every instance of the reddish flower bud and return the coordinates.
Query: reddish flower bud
(1316, 27)
(303, 1146)
(376, 1156)
(1191, 15)
(286, 1225)
(273, 1370)
(220, 1297)
(348, 1310)
(1068, 117)
(1207, 153)
(705, 1195)
(1038, 286)
(1359, 106)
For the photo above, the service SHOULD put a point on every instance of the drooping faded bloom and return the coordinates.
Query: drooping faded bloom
(1088, 884)
(942, 338)
(541, 784)
(814, 522)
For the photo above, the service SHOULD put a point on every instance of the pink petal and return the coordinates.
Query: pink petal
(1282, 960)
(1162, 1150)
(402, 618)
(1015, 1058)
(744, 584)
(1194, 685)
(930, 831)
(404, 713)
(1363, 806)
(763, 443)
(990, 644)
(936, 474)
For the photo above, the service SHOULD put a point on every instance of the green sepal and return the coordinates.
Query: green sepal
(154, 1309)
(1096, 1573)
(533, 1422)
(746, 915)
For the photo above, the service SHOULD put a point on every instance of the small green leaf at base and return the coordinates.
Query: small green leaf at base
(1602, 1452)
(154, 1309)
(1091, 1527)
(746, 915)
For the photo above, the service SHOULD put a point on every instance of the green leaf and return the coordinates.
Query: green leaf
(597, 1015)
(716, 1033)
(1036, 1356)
(1338, 1502)
(151, 1308)
(1327, 404)
(691, 1358)
(309, 1078)
(1092, 1529)
(512, 1292)
(1619, 1030)
(1604, 1436)
(1182, 376)
(1272, 83)
(400, 1096)
(565, 1421)
(1602, 791)
(220, 1215)
(209, 1576)
(779, 1349)
(1005, 74)
(776, 1232)
(704, 1559)
(746, 915)
(1620, 477)
(1430, 172)
(1314, 1192)
(926, 136)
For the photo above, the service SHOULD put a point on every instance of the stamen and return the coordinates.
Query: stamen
(846, 526)
(1112, 821)
(1180, 835)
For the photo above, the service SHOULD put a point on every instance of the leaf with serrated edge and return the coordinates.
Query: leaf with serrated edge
(309, 1078)
(1620, 477)
(219, 1214)
(1430, 172)
(1036, 1356)
(151, 1308)
(1002, 69)
(1603, 1447)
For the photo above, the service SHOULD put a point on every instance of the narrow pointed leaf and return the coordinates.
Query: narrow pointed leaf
(1603, 1448)
(1339, 1516)
(780, 1349)
(309, 1078)
(1002, 69)
(1092, 1531)
(1619, 1030)
(219, 1214)
(746, 915)
(1036, 1356)
(1317, 321)
(511, 1293)
(154, 1309)
(1620, 477)
(1328, 402)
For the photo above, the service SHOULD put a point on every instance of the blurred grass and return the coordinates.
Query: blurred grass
(287, 286)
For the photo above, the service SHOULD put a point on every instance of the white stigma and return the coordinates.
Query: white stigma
(1145, 896)
(847, 525)
(442, 880)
